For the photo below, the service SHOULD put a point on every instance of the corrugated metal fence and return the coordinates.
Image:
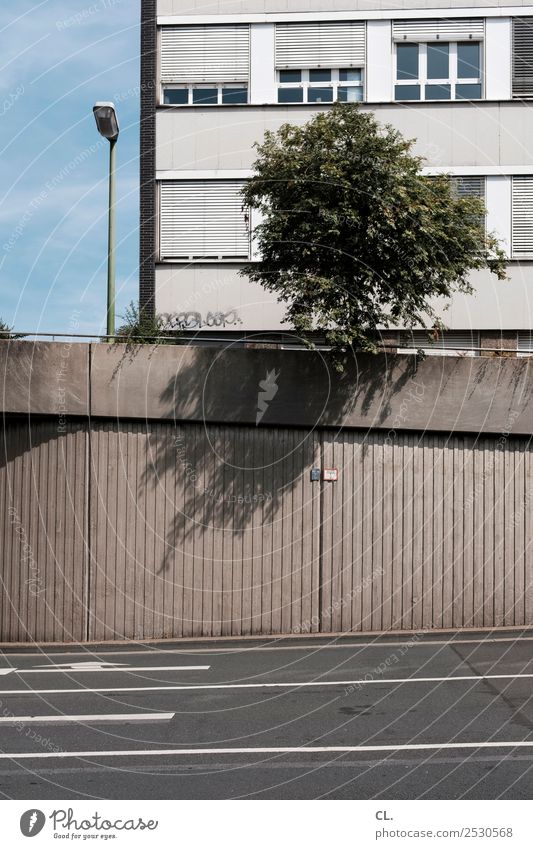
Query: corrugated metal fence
(146, 531)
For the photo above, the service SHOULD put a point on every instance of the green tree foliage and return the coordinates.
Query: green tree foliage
(354, 237)
(6, 332)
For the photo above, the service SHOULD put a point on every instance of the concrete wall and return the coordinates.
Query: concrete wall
(231, 7)
(173, 511)
(213, 385)
(134, 530)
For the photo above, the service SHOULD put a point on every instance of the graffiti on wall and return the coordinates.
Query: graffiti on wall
(192, 320)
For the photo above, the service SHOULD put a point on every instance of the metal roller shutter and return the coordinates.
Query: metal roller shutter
(448, 341)
(205, 54)
(321, 45)
(523, 57)
(203, 219)
(437, 29)
(524, 342)
(522, 216)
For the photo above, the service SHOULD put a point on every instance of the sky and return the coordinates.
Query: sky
(57, 58)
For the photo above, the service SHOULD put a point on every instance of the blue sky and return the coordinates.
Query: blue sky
(57, 58)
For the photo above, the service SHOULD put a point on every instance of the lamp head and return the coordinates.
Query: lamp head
(106, 120)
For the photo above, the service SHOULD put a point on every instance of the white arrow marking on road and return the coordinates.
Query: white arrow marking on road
(75, 668)
(103, 717)
(88, 664)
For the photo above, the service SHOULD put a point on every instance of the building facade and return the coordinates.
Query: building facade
(456, 78)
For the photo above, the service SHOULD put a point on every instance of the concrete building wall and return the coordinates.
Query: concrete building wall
(245, 7)
(214, 297)
(447, 135)
(486, 138)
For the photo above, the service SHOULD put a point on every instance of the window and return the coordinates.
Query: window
(468, 187)
(203, 220)
(407, 62)
(176, 96)
(438, 71)
(205, 95)
(442, 343)
(323, 85)
(524, 343)
(522, 217)
(205, 65)
(523, 57)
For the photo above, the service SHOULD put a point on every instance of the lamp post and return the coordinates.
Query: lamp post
(107, 123)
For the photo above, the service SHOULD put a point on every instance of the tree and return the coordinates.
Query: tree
(6, 332)
(142, 328)
(353, 236)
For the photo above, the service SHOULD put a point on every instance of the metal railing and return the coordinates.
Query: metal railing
(200, 340)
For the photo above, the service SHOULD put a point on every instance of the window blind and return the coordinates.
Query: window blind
(469, 186)
(321, 45)
(522, 216)
(448, 340)
(439, 29)
(522, 57)
(195, 54)
(203, 219)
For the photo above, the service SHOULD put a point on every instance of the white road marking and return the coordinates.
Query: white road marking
(267, 685)
(85, 664)
(99, 717)
(267, 750)
(76, 670)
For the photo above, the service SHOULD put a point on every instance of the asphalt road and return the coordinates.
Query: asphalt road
(435, 716)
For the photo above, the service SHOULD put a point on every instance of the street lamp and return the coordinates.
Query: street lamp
(107, 123)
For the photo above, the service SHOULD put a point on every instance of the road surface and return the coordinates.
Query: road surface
(430, 716)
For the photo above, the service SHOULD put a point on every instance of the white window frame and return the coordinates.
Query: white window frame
(305, 84)
(452, 80)
(190, 87)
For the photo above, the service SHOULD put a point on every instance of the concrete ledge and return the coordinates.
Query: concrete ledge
(485, 395)
(44, 378)
(286, 388)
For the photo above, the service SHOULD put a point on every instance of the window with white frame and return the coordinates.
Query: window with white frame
(320, 85)
(205, 65)
(207, 94)
(439, 70)
(203, 220)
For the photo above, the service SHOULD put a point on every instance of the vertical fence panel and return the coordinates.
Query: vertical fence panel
(42, 527)
(209, 530)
